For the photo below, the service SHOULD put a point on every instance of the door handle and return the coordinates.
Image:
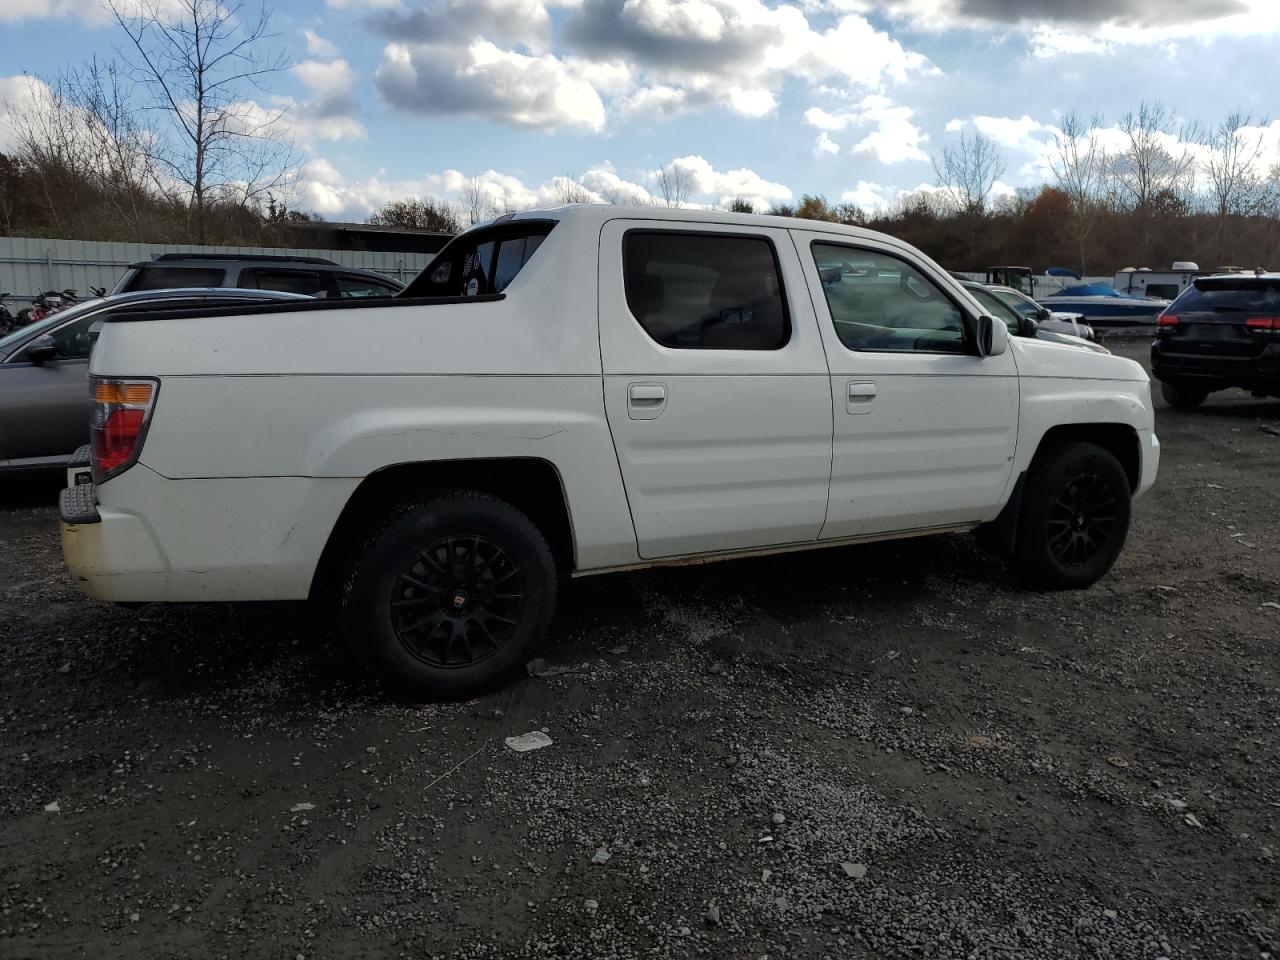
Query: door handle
(860, 396)
(645, 401)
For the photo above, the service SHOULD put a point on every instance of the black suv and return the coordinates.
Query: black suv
(1221, 332)
(313, 276)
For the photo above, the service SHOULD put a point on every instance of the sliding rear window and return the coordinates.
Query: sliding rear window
(481, 262)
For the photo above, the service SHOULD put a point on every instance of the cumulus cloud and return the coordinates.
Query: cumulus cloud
(318, 46)
(824, 145)
(720, 187)
(330, 112)
(481, 79)
(514, 23)
(893, 139)
(1018, 133)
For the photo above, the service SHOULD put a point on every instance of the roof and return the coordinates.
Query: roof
(600, 213)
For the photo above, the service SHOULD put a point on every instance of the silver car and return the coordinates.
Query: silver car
(44, 367)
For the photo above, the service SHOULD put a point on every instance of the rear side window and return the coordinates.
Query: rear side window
(482, 262)
(349, 286)
(168, 278)
(705, 291)
(1259, 297)
(310, 282)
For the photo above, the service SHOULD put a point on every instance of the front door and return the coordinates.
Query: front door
(924, 427)
(45, 410)
(716, 388)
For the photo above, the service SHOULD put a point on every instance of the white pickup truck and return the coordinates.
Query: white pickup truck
(583, 390)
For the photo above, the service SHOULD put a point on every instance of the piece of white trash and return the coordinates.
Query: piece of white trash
(530, 741)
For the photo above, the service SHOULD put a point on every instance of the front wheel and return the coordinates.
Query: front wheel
(451, 595)
(1180, 396)
(1074, 518)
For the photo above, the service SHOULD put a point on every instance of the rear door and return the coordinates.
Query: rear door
(924, 428)
(716, 388)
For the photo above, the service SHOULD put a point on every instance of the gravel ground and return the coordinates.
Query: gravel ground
(885, 751)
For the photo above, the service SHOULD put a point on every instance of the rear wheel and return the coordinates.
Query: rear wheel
(451, 596)
(1074, 518)
(1180, 396)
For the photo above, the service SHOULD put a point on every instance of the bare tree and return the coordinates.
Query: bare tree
(1082, 168)
(419, 214)
(675, 185)
(1234, 148)
(741, 204)
(477, 202)
(967, 172)
(201, 62)
(1156, 159)
(568, 190)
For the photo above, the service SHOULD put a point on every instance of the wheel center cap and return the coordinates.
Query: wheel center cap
(1079, 521)
(459, 600)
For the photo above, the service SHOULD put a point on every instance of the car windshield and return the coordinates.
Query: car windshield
(1260, 297)
(998, 309)
(1024, 305)
(48, 323)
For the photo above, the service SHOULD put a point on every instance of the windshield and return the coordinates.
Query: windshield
(1260, 297)
(1023, 305)
(998, 309)
(48, 323)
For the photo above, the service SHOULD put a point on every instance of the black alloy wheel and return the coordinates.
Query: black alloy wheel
(458, 602)
(1083, 520)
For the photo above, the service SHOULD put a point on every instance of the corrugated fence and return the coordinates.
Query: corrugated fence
(29, 265)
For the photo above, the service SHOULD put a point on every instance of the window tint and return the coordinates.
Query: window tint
(996, 308)
(1028, 308)
(707, 291)
(1255, 297)
(72, 342)
(881, 303)
(310, 282)
(481, 262)
(352, 286)
(167, 278)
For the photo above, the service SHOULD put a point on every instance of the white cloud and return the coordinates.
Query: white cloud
(894, 139)
(525, 24)
(330, 113)
(1019, 133)
(318, 46)
(542, 92)
(715, 186)
(869, 196)
(20, 94)
(825, 145)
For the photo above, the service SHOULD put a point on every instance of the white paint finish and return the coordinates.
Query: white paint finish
(739, 453)
(353, 426)
(934, 443)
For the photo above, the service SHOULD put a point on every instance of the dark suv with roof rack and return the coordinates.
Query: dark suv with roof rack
(1222, 331)
(313, 276)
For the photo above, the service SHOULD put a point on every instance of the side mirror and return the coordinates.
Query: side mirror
(1044, 314)
(984, 335)
(41, 349)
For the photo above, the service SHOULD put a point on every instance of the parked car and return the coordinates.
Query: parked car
(584, 390)
(44, 387)
(1055, 321)
(1222, 331)
(311, 276)
(1021, 325)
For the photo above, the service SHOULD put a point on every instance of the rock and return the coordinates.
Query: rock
(52, 807)
(1193, 821)
(712, 916)
(602, 855)
(765, 874)
(65, 668)
(779, 818)
(135, 917)
(781, 903)
(591, 905)
(497, 714)
(535, 740)
(906, 711)
(1176, 804)
(855, 871)
(538, 667)
(1110, 914)
(370, 750)
(620, 649)
(301, 807)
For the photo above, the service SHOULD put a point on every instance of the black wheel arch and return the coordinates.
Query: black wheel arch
(531, 485)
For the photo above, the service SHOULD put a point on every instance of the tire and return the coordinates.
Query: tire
(1180, 396)
(451, 595)
(1074, 518)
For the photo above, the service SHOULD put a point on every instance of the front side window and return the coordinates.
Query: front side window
(708, 291)
(1023, 305)
(880, 303)
(349, 286)
(309, 282)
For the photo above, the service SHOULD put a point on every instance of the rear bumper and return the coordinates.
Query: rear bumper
(1259, 374)
(143, 538)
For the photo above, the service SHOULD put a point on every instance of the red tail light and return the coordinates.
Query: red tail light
(120, 412)
(1167, 320)
(1268, 324)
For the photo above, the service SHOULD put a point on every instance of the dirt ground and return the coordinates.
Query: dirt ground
(885, 751)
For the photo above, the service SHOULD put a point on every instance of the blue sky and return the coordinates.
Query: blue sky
(767, 100)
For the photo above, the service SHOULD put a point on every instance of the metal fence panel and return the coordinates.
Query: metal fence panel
(29, 265)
